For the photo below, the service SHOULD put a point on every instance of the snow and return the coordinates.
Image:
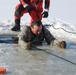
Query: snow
(59, 28)
(50, 60)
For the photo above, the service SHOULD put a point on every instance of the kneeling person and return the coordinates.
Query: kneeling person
(35, 34)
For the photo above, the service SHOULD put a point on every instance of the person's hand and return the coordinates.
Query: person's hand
(62, 44)
(28, 46)
(45, 14)
(59, 44)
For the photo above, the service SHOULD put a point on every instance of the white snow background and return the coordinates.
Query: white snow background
(60, 29)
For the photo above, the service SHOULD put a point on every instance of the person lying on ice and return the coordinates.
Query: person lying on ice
(34, 8)
(35, 35)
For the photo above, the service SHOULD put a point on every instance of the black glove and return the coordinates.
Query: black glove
(45, 14)
(28, 8)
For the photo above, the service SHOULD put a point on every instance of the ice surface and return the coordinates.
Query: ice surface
(36, 62)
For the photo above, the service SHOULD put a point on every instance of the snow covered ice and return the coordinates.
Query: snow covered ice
(36, 62)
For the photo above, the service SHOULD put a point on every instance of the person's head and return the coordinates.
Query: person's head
(36, 27)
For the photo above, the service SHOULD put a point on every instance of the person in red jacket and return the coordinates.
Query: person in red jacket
(34, 8)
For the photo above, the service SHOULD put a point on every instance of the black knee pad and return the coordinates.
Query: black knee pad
(17, 13)
(19, 10)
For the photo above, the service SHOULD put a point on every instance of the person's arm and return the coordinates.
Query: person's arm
(49, 38)
(46, 8)
(47, 35)
(24, 45)
(47, 4)
(24, 39)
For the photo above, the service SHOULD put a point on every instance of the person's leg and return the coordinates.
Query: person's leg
(18, 14)
(40, 15)
(35, 16)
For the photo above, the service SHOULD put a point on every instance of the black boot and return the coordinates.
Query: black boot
(17, 25)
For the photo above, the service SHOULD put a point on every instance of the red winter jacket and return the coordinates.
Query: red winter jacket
(36, 4)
